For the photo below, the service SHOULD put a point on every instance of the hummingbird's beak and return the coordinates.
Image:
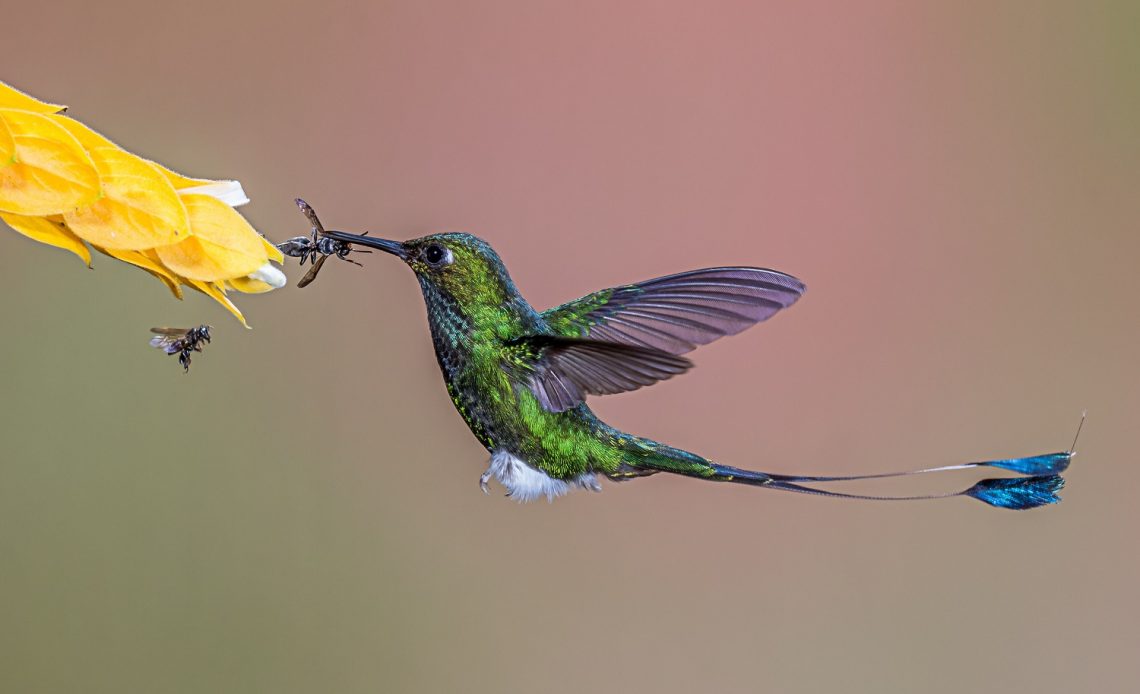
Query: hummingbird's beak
(394, 247)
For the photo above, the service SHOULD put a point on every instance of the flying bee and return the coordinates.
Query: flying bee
(180, 341)
(316, 248)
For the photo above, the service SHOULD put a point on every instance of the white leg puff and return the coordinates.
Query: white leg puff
(526, 483)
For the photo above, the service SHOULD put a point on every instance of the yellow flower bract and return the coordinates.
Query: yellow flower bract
(11, 97)
(49, 171)
(248, 285)
(223, 245)
(149, 262)
(7, 145)
(65, 185)
(49, 230)
(139, 207)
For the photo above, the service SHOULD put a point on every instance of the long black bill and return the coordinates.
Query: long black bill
(394, 247)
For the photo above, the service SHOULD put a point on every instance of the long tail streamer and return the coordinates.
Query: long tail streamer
(1034, 466)
(1016, 493)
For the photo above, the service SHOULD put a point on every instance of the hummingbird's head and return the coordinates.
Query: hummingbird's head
(460, 267)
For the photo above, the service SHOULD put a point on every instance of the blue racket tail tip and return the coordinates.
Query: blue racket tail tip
(1018, 493)
(1035, 466)
(1041, 465)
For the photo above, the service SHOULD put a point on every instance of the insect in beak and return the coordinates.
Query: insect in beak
(317, 247)
(394, 247)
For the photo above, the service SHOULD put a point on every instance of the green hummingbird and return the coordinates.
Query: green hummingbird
(520, 377)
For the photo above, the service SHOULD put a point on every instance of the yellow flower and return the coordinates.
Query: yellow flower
(63, 184)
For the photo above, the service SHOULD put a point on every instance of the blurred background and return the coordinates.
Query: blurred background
(956, 184)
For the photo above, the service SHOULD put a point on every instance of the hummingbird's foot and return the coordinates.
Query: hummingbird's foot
(588, 481)
(484, 479)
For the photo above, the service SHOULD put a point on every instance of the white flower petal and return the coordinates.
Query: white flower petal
(269, 275)
(229, 192)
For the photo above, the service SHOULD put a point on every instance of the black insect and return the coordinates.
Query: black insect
(180, 341)
(316, 248)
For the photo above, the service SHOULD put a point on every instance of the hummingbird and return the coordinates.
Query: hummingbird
(520, 378)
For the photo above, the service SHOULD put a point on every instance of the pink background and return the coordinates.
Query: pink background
(956, 183)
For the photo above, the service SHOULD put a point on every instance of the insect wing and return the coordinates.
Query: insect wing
(168, 340)
(312, 273)
(167, 343)
(312, 216)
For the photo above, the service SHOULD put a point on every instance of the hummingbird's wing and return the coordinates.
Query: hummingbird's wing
(677, 313)
(561, 371)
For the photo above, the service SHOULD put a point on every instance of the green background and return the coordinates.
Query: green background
(957, 183)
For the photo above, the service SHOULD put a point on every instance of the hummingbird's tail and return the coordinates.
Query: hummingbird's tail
(1040, 480)
(1017, 493)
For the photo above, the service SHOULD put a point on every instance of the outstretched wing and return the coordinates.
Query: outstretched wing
(677, 313)
(561, 371)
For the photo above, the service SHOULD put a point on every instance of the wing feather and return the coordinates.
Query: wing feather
(677, 313)
(561, 372)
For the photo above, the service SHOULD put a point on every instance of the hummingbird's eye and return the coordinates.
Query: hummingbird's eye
(437, 255)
